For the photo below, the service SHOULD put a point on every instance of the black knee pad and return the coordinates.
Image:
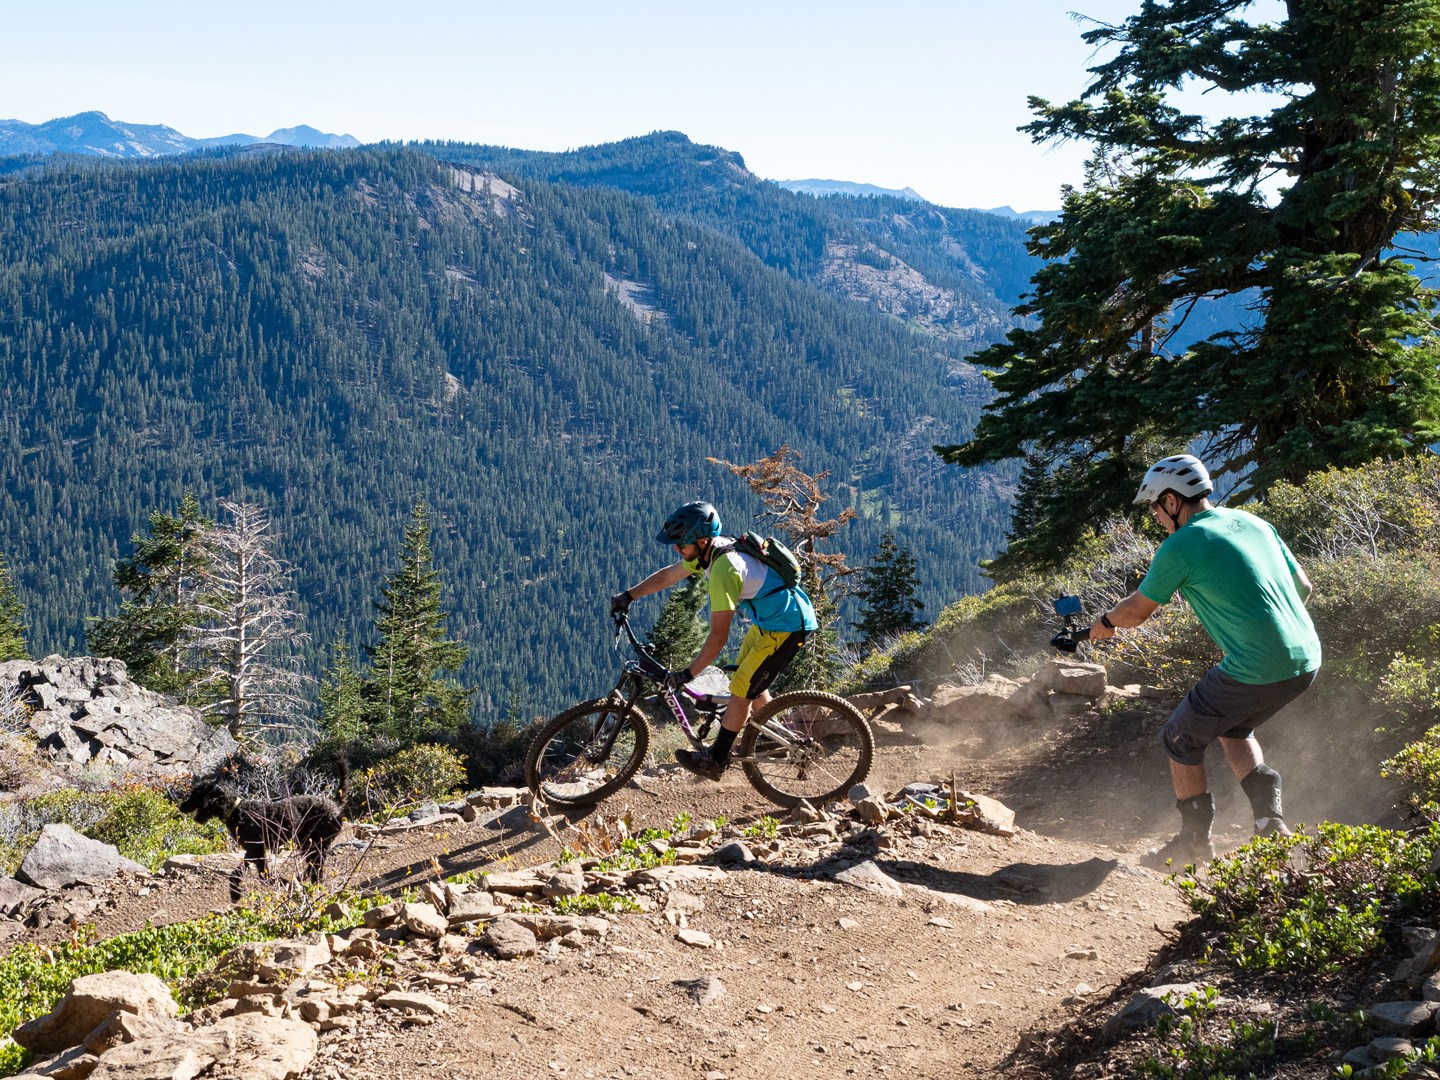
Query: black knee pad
(1262, 788)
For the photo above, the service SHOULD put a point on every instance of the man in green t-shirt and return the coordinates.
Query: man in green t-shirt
(1249, 594)
(782, 618)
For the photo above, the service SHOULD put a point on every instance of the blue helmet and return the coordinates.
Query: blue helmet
(692, 522)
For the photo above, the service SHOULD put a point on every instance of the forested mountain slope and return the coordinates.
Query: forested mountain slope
(333, 334)
(955, 272)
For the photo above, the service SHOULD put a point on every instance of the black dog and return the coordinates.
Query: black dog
(310, 822)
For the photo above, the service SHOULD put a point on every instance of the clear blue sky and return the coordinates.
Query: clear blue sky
(924, 93)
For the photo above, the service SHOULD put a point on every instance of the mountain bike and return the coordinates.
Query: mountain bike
(801, 745)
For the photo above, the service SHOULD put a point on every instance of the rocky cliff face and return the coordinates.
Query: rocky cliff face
(85, 710)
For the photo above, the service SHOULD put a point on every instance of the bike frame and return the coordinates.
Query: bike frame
(646, 669)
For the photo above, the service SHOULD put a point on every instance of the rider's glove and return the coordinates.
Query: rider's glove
(620, 602)
(674, 680)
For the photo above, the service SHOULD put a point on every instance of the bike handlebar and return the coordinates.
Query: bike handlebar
(648, 665)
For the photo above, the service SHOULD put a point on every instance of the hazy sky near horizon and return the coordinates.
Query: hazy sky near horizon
(918, 93)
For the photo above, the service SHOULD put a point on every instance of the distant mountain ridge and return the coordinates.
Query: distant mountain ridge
(847, 187)
(94, 133)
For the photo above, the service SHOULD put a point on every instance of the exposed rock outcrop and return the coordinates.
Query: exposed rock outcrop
(87, 711)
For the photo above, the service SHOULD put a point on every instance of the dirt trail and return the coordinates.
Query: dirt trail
(992, 936)
(931, 984)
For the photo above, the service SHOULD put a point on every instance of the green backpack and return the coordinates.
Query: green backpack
(772, 553)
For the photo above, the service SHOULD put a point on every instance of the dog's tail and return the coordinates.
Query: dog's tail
(342, 770)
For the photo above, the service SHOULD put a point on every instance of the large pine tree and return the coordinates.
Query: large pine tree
(161, 582)
(1294, 212)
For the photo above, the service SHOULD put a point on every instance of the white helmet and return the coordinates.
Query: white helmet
(1181, 473)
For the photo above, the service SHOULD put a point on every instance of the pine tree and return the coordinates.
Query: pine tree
(342, 703)
(408, 697)
(679, 632)
(12, 619)
(1336, 365)
(160, 583)
(887, 589)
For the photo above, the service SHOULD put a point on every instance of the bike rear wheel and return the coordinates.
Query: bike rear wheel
(828, 748)
(586, 753)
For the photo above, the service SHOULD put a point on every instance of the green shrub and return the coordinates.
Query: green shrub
(596, 904)
(1375, 508)
(1312, 902)
(416, 774)
(140, 821)
(1418, 766)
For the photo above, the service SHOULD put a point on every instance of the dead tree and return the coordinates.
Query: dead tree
(247, 638)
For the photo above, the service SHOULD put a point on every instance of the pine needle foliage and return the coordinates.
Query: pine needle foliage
(1294, 213)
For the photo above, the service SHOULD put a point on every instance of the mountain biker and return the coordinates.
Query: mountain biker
(1249, 594)
(782, 618)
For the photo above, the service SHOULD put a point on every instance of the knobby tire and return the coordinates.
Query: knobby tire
(837, 748)
(561, 768)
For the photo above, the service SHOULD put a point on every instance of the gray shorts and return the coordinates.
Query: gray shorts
(1221, 707)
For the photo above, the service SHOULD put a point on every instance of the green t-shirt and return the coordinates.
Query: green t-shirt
(734, 580)
(1237, 575)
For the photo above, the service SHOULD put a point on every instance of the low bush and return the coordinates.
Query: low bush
(33, 978)
(1313, 902)
(140, 821)
(417, 774)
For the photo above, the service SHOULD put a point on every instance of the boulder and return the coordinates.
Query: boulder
(1149, 1005)
(91, 1002)
(866, 875)
(16, 895)
(569, 880)
(424, 921)
(985, 814)
(85, 710)
(63, 857)
(507, 939)
(1064, 676)
(995, 699)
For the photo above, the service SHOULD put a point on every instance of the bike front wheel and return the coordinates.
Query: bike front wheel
(806, 746)
(586, 753)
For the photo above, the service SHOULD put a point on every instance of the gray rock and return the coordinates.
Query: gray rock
(412, 1001)
(423, 920)
(734, 853)
(507, 939)
(261, 1048)
(472, 907)
(425, 812)
(16, 895)
(1389, 1046)
(859, 793)
(74, 1064)
(706, 990)
(63, 857)
(866, 875)
(569, 880)
(1149, 1005)
(1401, 1017)
(1064, 676)
(872, 810)
(985, 814)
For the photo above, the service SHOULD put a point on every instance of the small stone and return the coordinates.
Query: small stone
(412, 1001)
(944, 924)
(696, 939)
(424, 921)
(706, 990)
(735, 853)
(508, 940)
(855, 986)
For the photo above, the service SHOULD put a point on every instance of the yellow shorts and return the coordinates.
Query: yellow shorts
(764, 654)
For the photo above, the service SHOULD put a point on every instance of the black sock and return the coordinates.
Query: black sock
(720, 751)
(1196, 815)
